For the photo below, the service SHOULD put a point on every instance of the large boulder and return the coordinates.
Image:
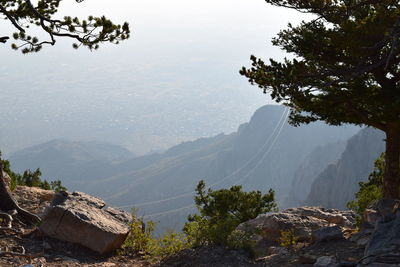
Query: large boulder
(83, 219)
(267, 229)
(384, 244)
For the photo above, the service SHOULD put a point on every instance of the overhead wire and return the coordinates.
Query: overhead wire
(281, 127)
(242, 180)
(281, 122)
(163, 213)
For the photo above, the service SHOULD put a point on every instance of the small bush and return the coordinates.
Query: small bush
(369, 191)
(170, 243)
(242, 240)
(288, 239)
(141, 239)
(222, 211)
(57, 186)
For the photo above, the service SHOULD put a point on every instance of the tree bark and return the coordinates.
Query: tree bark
(391, 183)
(7, 202)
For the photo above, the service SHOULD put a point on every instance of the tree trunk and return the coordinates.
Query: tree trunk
(7, 202)
(391, 186)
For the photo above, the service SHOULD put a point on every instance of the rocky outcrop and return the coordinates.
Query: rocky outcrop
(83, 219)
(267, 229)
(337, 184)
(309, 169)
(383, 246)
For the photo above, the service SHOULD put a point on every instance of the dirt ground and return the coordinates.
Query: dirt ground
(344, 251)
(43, 251)
(25, 244)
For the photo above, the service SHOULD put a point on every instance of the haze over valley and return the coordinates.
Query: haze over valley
(141, 123)
(170, 83)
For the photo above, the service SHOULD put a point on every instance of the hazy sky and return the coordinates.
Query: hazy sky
(175, 79)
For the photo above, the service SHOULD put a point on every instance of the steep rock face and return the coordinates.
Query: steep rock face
(311, 167)
(337, 184)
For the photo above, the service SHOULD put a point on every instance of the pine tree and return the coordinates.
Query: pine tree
(345, 70)
(91, 32)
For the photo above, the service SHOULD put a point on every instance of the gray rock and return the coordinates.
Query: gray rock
(331, 216)
(266, 229)
(83, 219)
(326, 261)
(370, 216)
(271, 225)
(362, 237)
(363, 241)
(386, 238)
(384, 244)
(387, 209)
(327, 233)
(278, 251)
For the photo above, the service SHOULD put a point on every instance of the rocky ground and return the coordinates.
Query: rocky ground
(23, 244)
(340, 252)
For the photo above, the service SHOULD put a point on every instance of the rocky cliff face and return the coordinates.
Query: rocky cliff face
(311, 167)
(337, 184)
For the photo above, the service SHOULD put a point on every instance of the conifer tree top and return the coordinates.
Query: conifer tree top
(345, 67)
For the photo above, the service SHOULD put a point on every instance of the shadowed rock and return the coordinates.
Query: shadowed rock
(327, 233)
(83, 219)
(384, 244)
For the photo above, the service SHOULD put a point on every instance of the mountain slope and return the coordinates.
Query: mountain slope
(310, 168)
(337, 184)
(260, 155)
(264, 153)
(70, 160)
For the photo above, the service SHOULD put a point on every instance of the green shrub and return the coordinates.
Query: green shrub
(288, 239)
(239, 239)
(170, 243)
(141, 239)
(370, 191)
(221, 211)
(57, 186)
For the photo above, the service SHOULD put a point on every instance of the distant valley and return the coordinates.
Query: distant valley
(264, 153)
